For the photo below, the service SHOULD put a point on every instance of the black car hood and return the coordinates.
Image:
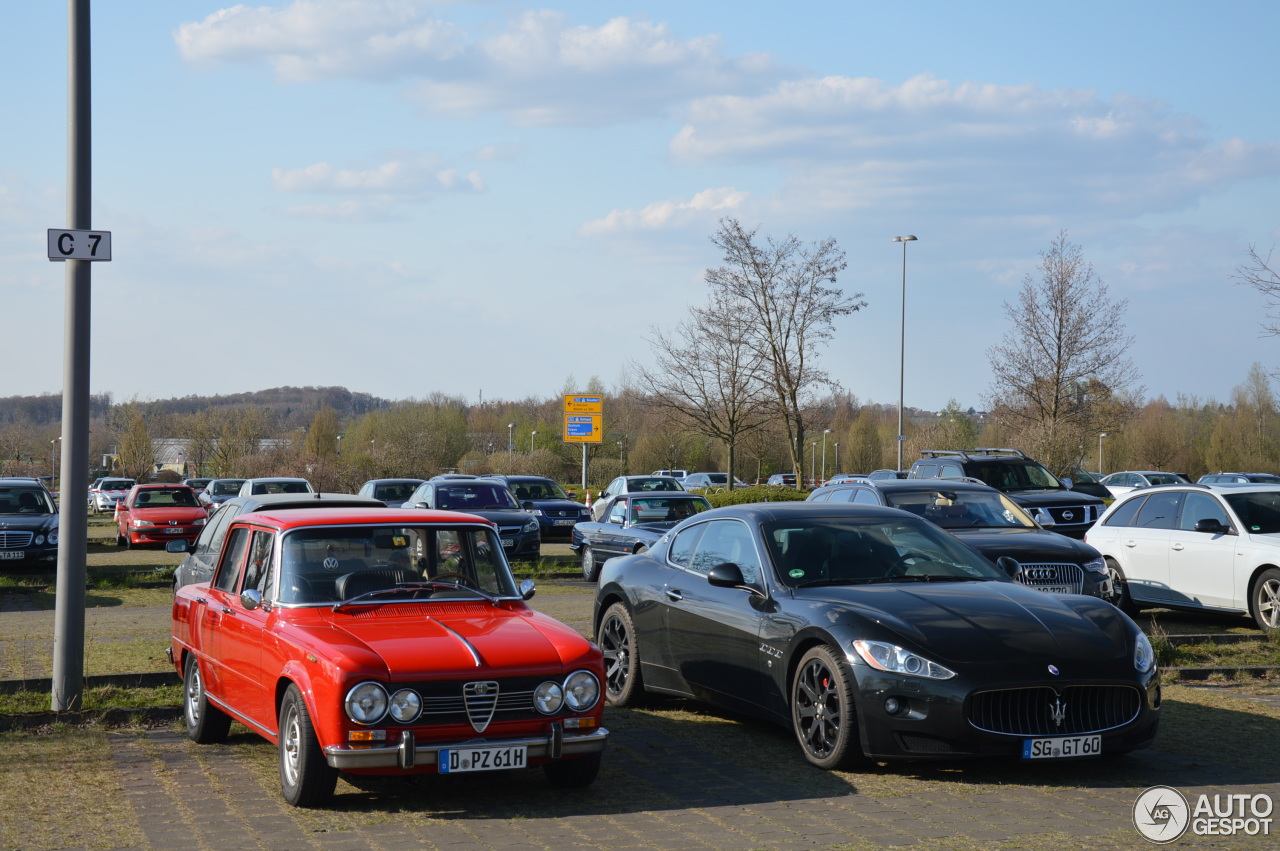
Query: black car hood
(1047, 497)
(976, 622)
(1026, 545)
(28, 522)
(554, 504)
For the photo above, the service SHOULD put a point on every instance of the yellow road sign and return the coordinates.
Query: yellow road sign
(583, 404)
(583, 428)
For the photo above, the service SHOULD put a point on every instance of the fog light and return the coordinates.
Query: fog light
(892, 705)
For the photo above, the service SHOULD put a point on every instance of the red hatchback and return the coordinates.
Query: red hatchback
(383, 641)
(157, 514)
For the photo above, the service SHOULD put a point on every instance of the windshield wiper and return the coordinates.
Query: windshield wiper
(401, 587)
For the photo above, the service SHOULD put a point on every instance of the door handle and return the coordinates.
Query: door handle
(674, 594)
(1178, 547)
(1131, 544)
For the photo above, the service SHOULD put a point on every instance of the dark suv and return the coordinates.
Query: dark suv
(1027, 482)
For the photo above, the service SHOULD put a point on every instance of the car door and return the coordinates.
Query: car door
(214, 607)
(715, 632)
(1202, 564)
(611, 537)
(243, 629)
(1145, 546)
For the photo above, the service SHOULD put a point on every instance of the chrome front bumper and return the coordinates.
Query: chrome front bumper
(407, 753)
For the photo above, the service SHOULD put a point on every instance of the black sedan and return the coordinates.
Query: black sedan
(902, 643)
(994, 525)
(631, 523)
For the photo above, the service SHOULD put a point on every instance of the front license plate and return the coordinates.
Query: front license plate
(565, 522)
(458, 760)
(1067, 746)
(1053, 589)
(16, 555)
(173, 531)
(508, 542)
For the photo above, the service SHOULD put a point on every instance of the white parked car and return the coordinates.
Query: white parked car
(275, 484)
(1122, 483)
(1211, 547)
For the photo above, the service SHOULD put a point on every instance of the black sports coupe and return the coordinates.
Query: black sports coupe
(872, 633)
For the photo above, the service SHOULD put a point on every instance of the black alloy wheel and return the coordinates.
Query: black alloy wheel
(822, 710)
(617, 638)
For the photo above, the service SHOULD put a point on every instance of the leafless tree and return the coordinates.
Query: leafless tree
(707, 375)
(1261, 274)
(1060, 375)
(779, 290)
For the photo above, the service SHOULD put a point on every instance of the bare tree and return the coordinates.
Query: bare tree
(779, 290)
(708, 376)
(137, 459)
(1060, 375)
(1261, 274)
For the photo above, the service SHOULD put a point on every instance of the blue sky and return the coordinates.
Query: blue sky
(407, 197)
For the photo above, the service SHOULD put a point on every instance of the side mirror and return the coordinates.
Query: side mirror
(251, 598)
(179, 546)
(527, 505)
(1010, 566)
(1212, 526)
(527, 589)
(1043, 517)
(725, 575)
(1067, 483)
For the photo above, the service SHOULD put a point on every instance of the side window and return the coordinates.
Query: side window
(1125, 514)
(951, 471)
(228, 573)
(926, 471)
(865, 496)
(684, 544)
(727, 541)
(258, 573)
(1160, 511)
(821, 497)
(210, 540)
(1201, 506)
(618, 513)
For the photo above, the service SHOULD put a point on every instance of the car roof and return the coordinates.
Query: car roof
(285, 519)
(762, 511)
(404, 480)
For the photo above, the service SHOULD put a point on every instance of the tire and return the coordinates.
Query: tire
(640, 550)
(206, 724)
(573, 773)
(623, 684)
(1264, 600)
(306, 780)
(121, 540)
(822, 710)
(590, 567)
(1121, 599)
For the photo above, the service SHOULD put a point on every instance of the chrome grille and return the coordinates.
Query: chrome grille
(1044, 711)
(449, 702)
(15, 540)
(1053, 575)
(1078, 513)
(481, 699)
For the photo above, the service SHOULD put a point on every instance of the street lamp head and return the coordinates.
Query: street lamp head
(907, 238)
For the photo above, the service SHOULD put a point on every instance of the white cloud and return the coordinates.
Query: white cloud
(407, 179)
(972, 147)
(706, 205)
(537, 69)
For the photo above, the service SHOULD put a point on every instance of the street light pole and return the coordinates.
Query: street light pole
(532, 435)
(837, 456)
(1101, 470)
(825, 432)
(813, 457)
(902, 340)
(53, 461)
(511, 439)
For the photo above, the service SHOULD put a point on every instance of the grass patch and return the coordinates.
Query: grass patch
(94, 699)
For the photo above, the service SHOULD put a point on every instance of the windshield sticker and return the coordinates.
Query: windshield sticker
(796, 574)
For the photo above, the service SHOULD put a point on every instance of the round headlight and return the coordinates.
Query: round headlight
(548, 698)
(406, 706)
(366, 703)
(1144, 657)
(39, 540)
(581, 691)
(53, 536)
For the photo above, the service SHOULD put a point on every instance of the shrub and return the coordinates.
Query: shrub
(756, 493)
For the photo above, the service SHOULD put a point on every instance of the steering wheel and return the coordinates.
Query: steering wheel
(461, 578)
(900, 564)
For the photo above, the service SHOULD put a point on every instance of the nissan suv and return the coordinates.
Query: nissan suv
(1027, 482)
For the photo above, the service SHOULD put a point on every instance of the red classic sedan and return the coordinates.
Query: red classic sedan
(157, 514)
(383, 641)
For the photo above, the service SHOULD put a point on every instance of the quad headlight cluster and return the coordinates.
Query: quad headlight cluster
(369, 702)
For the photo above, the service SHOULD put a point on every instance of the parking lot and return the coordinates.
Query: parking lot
(676, 775)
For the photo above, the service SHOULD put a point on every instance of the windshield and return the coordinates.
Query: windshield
(25, 500)
(167, 498)
(474, 497)
(117, 484)
(843, 550)
(1164, 478)
(1016, 476)
(394, 493)
(327, 565)
(962, 509)
(538, 489)
(227, 487)
(659, 484)
(649, 509)
(1258, 512)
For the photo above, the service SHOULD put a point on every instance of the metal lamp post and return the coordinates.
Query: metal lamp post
(837, 462)
(53, 461)
(825, 432)
(813, 457)
(511, 438)
(532, 435)
(1101, 470)
(902, 340)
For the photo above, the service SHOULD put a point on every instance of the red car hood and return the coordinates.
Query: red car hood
(432, 641)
